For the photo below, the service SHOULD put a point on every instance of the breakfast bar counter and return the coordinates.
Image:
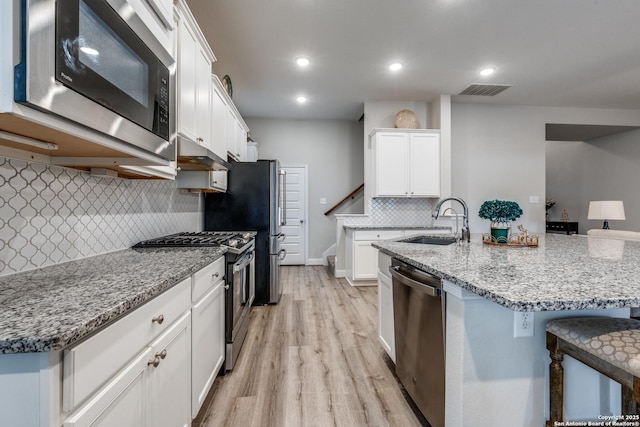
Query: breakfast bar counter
(496, 374)
(562, 273)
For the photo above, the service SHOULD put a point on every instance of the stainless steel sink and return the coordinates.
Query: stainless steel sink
(430, 240)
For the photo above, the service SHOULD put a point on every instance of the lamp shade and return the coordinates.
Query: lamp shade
(606, 209)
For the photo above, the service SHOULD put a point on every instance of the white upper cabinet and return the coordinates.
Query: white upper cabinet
(194, 59)
(238, 141)
(406, 163)
(228, 129)
(424, 164)
(157, 15)
(219, 109)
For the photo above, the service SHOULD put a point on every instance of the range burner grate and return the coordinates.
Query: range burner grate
(196, 239)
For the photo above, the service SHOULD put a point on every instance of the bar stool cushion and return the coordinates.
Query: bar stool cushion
(615, 340)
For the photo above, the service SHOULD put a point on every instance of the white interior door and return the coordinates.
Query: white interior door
(295, 241)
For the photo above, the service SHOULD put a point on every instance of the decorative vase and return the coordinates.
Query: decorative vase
(500, 231)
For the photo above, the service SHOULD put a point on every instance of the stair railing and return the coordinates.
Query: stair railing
(349, 196)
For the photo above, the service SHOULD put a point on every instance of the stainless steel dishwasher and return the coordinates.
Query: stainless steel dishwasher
(419, 333)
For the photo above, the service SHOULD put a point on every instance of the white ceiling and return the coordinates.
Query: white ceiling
(564, 53)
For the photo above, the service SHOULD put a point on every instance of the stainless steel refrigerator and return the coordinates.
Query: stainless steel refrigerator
(255, 201)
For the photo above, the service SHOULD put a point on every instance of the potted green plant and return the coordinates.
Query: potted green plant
(500, 213)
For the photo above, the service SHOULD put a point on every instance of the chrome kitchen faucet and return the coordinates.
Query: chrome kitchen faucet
(466, 235)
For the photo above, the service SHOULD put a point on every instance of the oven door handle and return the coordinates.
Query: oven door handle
(243, 262)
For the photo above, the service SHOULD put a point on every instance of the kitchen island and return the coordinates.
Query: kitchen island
(494, 378)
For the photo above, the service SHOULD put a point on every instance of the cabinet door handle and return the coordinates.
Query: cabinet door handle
(216, 274)
(161, 354)
(155, 362)
(158, 319)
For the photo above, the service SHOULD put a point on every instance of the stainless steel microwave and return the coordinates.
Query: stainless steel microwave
(96, 63)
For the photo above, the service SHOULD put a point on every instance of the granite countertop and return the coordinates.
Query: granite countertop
(50, 308)
(394, 227)
(563, 273)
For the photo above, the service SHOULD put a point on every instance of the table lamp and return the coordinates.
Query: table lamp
(606, 210)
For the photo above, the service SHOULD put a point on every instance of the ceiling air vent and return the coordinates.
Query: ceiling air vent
(484, 89)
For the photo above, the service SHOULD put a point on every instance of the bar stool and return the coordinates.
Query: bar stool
(609, 345)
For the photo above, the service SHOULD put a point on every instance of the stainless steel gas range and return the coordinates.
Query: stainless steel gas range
(239, 277)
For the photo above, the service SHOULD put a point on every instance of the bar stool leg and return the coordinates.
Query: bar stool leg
(630, 398)
(556, 381)
(629, 405)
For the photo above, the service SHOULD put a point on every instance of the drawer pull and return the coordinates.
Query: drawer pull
(216, 274)
(155, 362)
(158, 319)
(226, 287)
(162, 354)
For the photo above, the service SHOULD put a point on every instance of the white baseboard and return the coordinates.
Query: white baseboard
(316, 261)
(357, 283)
(340, 273)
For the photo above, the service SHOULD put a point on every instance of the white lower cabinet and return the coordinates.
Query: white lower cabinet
(208, 342)
(152, 390)
(169, 385)
(362, 258)
(120, 402)
(152, 367)
(386, 334)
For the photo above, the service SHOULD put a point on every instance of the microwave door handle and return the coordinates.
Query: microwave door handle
(283, 217)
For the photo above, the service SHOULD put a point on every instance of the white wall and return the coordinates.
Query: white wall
(601, 169)
(334, 152)
(499, 152)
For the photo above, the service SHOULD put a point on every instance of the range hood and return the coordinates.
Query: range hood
(194, 157)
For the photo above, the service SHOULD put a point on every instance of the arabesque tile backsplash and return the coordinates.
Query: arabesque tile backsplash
(51, 214)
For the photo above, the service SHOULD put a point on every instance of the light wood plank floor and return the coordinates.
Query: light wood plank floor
(311, 360)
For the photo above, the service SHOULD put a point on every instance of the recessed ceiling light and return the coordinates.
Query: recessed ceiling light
(487, 71)
(395, 66)
(301, 99)
(302, 61)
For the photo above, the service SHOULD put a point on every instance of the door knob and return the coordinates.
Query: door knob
(301, 221)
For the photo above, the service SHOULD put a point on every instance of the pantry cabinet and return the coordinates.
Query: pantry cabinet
(406, 163)
(194, 59)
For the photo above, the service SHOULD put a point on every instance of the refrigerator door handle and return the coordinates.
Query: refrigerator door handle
(283, 208)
